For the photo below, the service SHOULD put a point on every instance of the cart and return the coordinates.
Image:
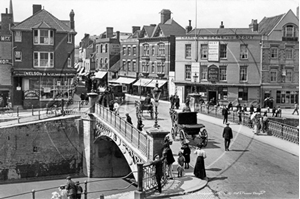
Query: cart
(186, 129)
(141, 106)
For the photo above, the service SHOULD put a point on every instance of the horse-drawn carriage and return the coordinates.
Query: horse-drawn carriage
(142, 106)
(186, 129)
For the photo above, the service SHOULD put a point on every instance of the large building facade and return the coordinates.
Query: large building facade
(221, 64)
(280, 60)
(43, 59)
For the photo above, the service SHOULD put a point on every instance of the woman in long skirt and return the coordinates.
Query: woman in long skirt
(199, 170)
(186, 153)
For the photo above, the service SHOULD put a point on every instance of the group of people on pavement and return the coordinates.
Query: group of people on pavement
(175, 101)
(71, 190)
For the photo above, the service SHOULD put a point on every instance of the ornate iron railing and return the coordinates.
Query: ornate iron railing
(137, 138)
(276, 129)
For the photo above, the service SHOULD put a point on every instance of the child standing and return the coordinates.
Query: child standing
(180, 161)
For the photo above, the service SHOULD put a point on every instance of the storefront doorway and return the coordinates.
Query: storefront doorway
(212, 95)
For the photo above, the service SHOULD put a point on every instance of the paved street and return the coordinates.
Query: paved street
(251, 169)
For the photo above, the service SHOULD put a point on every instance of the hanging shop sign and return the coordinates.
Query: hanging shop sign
(213, 73)
(31, 95)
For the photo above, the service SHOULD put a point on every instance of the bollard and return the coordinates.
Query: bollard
(101, 196)
(85, 189)
(17, 111)
(32, 109)
(33, 194)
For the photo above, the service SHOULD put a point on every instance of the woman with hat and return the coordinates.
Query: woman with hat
(186, 153)
(199, 170)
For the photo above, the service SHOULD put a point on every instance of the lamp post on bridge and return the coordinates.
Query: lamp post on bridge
(156, 94)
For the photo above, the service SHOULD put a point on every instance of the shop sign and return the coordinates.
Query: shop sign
(31, 95)
(213, 73)
(5, 61)
(6, 38)
(213, 51)
(44, 74)
(47, 89)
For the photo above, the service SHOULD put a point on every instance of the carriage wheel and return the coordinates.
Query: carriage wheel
(173, 133)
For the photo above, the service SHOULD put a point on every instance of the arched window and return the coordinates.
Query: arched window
(106, 63)
(106, 48)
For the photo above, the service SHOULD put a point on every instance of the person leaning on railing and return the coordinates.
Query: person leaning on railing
(158, 163)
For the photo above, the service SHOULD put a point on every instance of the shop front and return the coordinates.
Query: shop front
(42, 89)
(283, 96)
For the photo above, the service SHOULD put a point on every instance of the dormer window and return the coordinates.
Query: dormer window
(289, 33)
(43, 37)
(69, 38)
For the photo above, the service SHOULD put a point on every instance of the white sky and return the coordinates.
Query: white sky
(93, 16)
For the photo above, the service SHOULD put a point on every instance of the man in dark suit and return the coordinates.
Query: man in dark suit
(227, 135)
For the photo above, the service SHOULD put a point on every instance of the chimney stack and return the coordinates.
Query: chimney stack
(6, 22)
(109, 32)
(118, 35)
(189, 27)
(297, 10)
(72, 22)
(36, 8)
(221, 26)
(254, 25)
(135, 28)
(165, 15)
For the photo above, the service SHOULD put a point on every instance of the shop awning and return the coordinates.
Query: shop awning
(123, 80)
(153, 83)
(100, 74)
(142, 82)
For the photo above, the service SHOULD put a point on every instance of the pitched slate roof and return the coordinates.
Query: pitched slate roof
(170, 27)
(43, 19)
(222, 31)
(268, 23)
(148, 29)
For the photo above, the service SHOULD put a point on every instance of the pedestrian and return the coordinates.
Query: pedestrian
(128, 118)
(239, 107)
(86, 100)
(251, 109)
(71, 188)
(172, 101)
(230, 106)
(147, 99)
(296, 107)
(186, 108)
(227, 135)
(239, 112)
(116, 108)
(264, 122)
(255, 123)
(158, 163)
(111, 105)
(140, 124)
(278, 112)
(169, 159)
(273, 111)
(180, 161)
(245, 108)
(177, 102)
(79, 190)
(199, 169)
(258, 109)
(186, 153)
(225, 114)
(82, 98)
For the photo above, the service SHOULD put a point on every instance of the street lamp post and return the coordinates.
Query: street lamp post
(156, 94)
(195, 81)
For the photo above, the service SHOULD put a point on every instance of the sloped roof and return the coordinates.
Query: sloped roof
(170, 27)
(44, 19)
(222, 31)
(149, 30)
(116, 67)
(268, 23)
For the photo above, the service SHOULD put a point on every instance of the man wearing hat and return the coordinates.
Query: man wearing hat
(227, 135)
(71, 188)
(79, 190)
(158, 163)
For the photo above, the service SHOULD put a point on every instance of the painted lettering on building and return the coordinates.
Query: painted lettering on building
(44, 74)
(5, 61)
(217, 37)
(31, 95)
(213, 51)
(213, 73)
(5, 38)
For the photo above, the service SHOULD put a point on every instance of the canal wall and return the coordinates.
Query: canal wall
(41, 149)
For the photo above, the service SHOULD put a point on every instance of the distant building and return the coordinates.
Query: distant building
(129, 61)
(280, 59)
(222, 64)
(6, 47)
(43, 59)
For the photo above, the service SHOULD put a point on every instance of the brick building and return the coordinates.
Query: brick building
(5, 56)
(280, 59)
(157, 53)
(43, 59)
(219, 63)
